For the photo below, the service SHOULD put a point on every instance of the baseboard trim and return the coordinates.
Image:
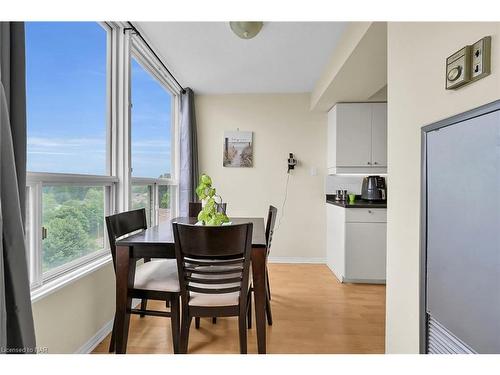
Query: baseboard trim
(297, 260)
(96, 339)
(101, 334)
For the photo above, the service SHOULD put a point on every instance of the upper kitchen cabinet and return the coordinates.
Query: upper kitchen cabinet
(379, 134)
(357, 138)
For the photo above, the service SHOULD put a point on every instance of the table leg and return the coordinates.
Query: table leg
(259, 285)
(125, 273)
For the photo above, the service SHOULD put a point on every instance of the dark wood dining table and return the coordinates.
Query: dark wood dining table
(158, 242)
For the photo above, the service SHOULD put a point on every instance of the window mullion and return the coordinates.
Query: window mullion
(37, 235)
(121, 122)
(156, 203)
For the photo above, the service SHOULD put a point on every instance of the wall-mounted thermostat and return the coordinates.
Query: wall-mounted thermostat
(469, 64)
(458, 68)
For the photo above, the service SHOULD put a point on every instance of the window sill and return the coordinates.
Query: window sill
(60, 282)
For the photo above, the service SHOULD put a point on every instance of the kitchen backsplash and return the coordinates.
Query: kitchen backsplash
(351, 183)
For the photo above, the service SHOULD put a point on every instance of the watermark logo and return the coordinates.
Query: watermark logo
(24, 350)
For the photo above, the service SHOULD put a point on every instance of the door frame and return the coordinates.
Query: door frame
(464, 116)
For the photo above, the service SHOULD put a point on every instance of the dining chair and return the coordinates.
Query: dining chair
(156, 280)
(271, 221)
(194, 209)
(214, 266)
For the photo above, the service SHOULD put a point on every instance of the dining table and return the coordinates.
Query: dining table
(158, 242)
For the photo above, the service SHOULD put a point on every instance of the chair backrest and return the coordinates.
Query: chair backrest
(271, 221)
(213, 259)
(124, 223)
(194, 209)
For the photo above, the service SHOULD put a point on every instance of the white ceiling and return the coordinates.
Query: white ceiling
(206, 56)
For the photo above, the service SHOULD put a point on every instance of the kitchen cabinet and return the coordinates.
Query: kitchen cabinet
(379, 135)
(357, 138)
(365, 251)
(335, 240)
(356, 243)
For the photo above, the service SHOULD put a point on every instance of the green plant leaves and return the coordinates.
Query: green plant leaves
(206, 180)
(204, 188)
(209, 215)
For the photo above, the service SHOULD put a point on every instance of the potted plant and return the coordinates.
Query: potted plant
(209, 215)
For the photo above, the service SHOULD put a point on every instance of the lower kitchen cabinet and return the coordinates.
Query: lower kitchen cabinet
(356, 243)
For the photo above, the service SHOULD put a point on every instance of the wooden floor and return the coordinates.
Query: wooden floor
(312, 311)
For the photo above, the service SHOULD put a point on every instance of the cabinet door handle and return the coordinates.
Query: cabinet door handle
(369, 211)
(369, 163)
(375, 163)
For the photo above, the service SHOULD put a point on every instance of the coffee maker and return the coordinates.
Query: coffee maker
(373, 188)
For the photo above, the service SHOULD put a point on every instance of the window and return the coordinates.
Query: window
(72, 218)
(152, 119)
(69, 182)
(151, 125)
(77, 159)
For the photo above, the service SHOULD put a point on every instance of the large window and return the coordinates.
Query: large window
(78, 172)
(152, 129)
(67, 121)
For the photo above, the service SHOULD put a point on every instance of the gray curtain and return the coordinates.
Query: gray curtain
(17, 332)
(188, 153)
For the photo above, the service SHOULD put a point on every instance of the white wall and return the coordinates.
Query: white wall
(68, 318)
(416, 97)
(282, 123)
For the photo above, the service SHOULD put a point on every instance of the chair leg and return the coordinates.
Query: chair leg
(175, 322)
(269, 314)
(185, 324)
(197, 322)
(267, 283)
(249, 311)
(243, 332)
(144, 306)
(214, 320)
(112, 341)
(268, 301)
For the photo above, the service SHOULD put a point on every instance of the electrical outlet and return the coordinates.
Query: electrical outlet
(481, 58)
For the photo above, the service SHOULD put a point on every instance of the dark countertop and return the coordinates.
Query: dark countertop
(358, 202)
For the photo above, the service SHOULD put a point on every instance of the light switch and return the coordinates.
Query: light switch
(481, 58)
(458, 68)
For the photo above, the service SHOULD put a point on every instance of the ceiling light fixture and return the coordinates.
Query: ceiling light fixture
(246, 30)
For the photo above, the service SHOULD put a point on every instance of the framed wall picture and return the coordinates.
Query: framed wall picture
(238, 149)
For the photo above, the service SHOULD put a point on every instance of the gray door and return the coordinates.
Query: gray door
(463, 235)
